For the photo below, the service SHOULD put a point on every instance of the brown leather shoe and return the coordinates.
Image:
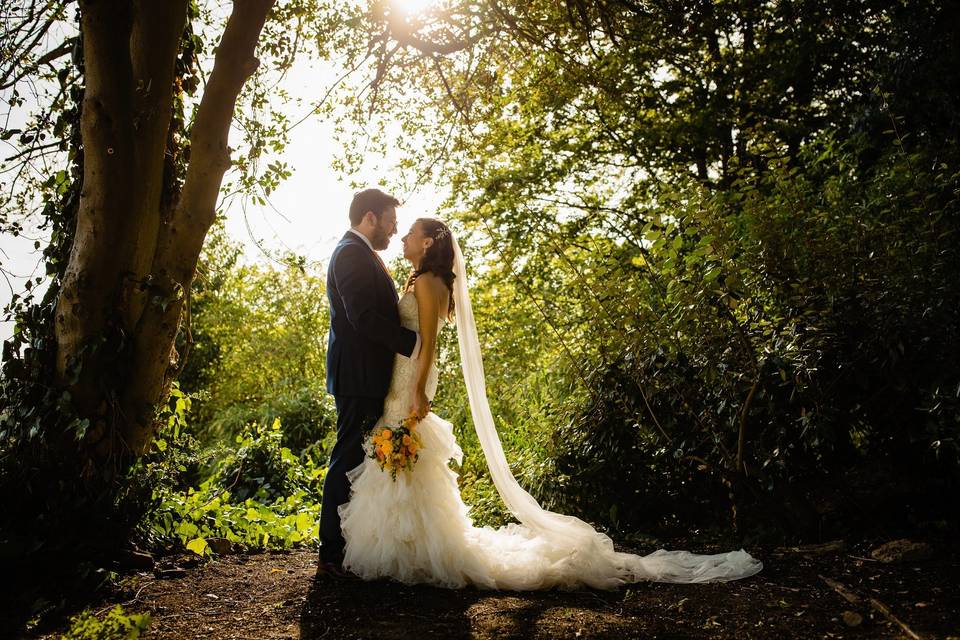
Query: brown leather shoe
(334, 570)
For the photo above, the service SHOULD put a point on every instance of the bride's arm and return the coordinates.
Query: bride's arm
(430, 291)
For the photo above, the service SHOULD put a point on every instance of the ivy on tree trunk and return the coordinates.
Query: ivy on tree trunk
(133, 258)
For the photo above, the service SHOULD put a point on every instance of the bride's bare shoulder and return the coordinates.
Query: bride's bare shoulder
(429, 282)
(429, 288)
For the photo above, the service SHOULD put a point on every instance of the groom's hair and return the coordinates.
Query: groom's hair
(370, 200)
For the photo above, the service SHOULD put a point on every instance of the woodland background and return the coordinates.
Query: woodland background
(715, 248)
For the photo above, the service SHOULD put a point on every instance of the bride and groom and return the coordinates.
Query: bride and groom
(412, 525)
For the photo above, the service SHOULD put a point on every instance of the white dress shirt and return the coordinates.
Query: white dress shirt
(362, 237)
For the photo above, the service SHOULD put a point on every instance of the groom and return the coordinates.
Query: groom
(365, 333)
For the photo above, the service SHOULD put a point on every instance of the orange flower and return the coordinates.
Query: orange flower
(395, 448)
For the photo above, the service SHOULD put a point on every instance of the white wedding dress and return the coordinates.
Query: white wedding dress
(416, 529)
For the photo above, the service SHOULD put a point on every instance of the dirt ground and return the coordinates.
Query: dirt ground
(835, 591)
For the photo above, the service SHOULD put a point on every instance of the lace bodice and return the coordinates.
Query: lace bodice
(404, 376)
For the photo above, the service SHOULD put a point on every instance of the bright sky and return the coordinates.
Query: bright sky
(311, 205)
(309, 211)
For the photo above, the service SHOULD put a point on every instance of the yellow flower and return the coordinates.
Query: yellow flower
(387, 448)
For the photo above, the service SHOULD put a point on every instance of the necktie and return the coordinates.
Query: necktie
(383, 265)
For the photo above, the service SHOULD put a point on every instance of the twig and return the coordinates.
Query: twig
(851, 597)
(882, 608)
(816, 549)
(845, 593)
(128, 602)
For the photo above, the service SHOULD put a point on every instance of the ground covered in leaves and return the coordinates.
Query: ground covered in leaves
(827, 591)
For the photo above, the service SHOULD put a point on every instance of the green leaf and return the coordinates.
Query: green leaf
(198, 545)
(304, 521)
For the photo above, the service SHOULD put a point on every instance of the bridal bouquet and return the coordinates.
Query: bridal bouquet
(395, 448)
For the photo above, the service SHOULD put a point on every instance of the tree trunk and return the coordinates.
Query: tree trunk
(119, 308)
(93, 277)
(157, 29)
(181, 239)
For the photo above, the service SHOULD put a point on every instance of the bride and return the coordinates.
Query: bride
(413, 526)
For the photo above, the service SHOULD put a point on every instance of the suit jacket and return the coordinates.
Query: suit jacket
(365, 330)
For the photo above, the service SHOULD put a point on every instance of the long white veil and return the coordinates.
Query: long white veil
(591, 551)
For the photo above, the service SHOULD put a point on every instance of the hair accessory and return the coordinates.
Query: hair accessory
(443, 233)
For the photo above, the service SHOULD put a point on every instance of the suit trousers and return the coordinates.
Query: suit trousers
(356, 416)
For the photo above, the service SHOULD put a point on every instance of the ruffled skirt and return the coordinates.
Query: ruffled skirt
(416, 530)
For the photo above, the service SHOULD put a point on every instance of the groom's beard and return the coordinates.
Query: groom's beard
(380, 239)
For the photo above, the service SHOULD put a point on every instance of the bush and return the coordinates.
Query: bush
(259, 496)
(812, 311)
(260, 352)
(262, 469)
(117, 625)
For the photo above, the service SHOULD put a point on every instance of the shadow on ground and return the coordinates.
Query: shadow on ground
(384, 610)
(274, 596)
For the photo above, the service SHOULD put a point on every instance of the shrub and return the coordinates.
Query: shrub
(116, 625)
(258, 496)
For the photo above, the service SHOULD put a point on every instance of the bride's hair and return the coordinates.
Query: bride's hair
(438, 259)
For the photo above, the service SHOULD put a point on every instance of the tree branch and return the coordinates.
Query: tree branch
(61, 50)
(402, 33)
(15, 60)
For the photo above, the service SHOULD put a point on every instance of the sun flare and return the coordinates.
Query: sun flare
(413, 7)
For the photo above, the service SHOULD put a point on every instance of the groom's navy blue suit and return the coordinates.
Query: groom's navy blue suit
(365, 333)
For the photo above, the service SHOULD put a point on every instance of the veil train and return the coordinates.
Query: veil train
(602, 566)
